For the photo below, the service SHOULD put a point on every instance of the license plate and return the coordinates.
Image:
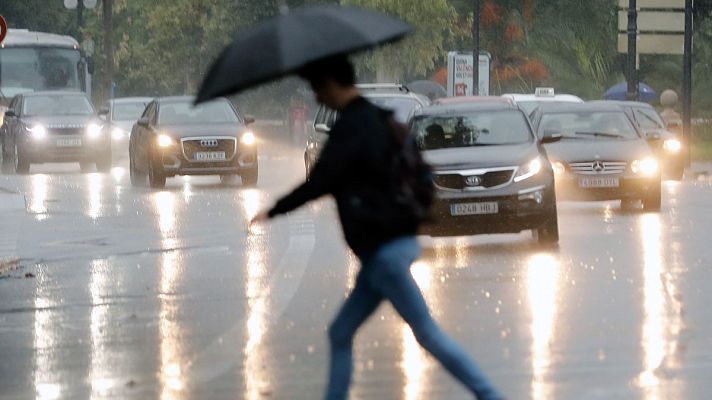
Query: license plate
(209, 156)
(69, 142)
(599, 182)
(490, 207)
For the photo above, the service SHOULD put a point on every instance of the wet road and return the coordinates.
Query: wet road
(136, 293)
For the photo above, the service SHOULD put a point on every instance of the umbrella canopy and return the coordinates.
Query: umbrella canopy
(620, 91)
(432, 90)
(284, 44)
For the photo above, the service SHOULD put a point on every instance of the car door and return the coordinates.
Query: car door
(140, 136)
(12, 123)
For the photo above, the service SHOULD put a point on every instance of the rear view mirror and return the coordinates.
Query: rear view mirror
(10, 113)
(143, 121)
(249, 119)
(322, 128)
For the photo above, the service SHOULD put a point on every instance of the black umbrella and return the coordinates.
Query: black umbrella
(432, 90)
(284, 44)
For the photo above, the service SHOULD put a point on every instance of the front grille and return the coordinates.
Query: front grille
(192, 146)
(488, 179)
(65, 131)
(598, 167)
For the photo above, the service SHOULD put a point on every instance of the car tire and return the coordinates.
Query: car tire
(156, 177)
(104, 163)
(548, 232)
(229, 179)
(249, 177)
(22, 166)
(652, 200)
(138, 178)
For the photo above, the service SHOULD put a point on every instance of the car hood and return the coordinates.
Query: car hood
(181, 131)
(588, 150)
(63, 121)
(480, 157)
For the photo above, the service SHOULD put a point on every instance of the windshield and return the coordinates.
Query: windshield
(57, 105)
(403, 108)
(187, 113)
(588, 125)
(471, 129)
(648, 119)
(35, 69)
(128, 111)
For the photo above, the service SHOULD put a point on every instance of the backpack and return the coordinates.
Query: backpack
(411, 177)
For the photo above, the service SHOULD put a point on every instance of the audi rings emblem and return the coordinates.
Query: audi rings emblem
(209, 142)
(473, 180)
(598, 166)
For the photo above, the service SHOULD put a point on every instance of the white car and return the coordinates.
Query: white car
(528, 102)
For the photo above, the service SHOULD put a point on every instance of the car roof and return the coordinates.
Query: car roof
(472, 100)
(623, 103)
(24, 37)
(562, 107)
(467, 107)
(517, 97)
(120, 100)
(53, 93)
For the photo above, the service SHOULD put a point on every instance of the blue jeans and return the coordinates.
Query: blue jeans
(385, 275)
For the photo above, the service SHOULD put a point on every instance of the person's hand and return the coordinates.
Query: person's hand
(260, 217)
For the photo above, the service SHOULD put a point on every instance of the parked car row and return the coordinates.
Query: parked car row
(162, 137)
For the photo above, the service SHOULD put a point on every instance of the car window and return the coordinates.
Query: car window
(470, 129)
(587, 125)
(178, 113)
(127, 111)
(57, 105)
(648, 119)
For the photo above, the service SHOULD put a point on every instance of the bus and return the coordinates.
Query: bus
(33, 61)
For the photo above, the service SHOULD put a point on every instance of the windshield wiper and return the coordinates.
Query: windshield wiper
(600, 134)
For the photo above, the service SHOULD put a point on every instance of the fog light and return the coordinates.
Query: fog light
(536, 196)
(164, 140)
(647, 166)
(38, 132)
(672, 145)
(248, 138)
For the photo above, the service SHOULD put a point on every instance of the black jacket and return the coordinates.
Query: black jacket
(354, 168)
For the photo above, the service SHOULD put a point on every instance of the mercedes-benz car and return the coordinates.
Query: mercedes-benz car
(666, 145)
(42, 127)
(601, 156)
(119, 115)
(175, 137)
(491, 173)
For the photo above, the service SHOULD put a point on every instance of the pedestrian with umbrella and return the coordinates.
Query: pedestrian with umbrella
(379, 216)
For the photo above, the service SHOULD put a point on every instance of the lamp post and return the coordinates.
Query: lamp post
(476, 51)
(632, 51)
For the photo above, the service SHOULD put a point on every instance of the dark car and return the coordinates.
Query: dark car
(397, 98)
(666, 145)
(601, 156)
(490, 171)
(174, 137)
(119, 115)
(44, 127)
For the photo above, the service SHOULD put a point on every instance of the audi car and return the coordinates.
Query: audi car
(44, 127)
(601, 155)
(119, 116)
(175, 137)
(667, 146)
(491, 173)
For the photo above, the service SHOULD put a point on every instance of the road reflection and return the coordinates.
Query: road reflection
(543, 285)
(45, 337)
(172, 358)
(100, 377)
(94, 184)
(662, 321)
(39, 185)
(255, 376)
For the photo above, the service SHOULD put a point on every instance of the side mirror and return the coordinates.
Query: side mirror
(249, 119)
(652, 135)
(143, 121)
(322, 128)
(10, 113)
(551, 137)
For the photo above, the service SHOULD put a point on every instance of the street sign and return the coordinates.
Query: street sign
(653, 44)
(654, 21)
(3, 28)
(459, 74)
(643, 4)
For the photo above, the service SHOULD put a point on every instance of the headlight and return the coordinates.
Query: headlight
(528, 170)
(117, 133)
(248, 138)
(559, 168)
(647, 166)
(164, 140)
(672, 145)
(38, 132)
(93, 131)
